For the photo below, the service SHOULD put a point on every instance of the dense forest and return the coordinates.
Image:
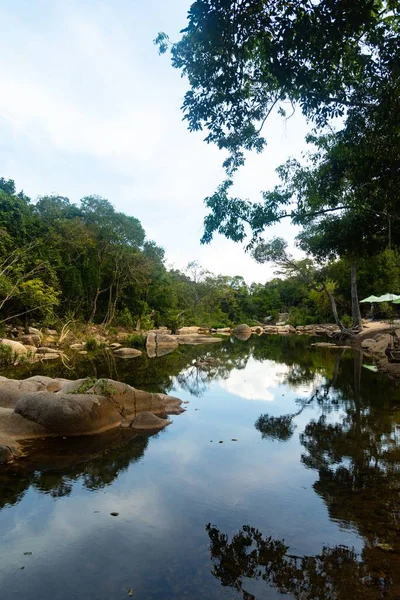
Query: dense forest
(88, 263)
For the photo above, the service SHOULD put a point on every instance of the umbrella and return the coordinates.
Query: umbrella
(397, 301)
(370, 299)
(388, 298)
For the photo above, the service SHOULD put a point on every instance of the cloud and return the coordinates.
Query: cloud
(87, 106)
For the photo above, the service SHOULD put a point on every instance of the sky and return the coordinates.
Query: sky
(87, 106)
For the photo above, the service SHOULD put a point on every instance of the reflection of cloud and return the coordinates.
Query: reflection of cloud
(258, 381)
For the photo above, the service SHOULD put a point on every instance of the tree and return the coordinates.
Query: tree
(244, 59)
(276, 252)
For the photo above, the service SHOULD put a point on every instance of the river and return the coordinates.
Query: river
(281, 480)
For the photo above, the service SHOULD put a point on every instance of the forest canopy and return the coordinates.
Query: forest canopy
(88, 262)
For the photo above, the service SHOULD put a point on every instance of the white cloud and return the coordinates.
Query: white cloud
(87, 106)
(259, 381)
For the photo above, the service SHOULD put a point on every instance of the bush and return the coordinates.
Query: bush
(91, 344)
(125, 318)
(6, 355)
(347, 321)
(135, 340)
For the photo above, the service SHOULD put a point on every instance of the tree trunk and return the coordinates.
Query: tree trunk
(334, 308)
(94, 306)
(355, 307)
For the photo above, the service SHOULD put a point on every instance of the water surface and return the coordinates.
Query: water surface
(281, 480)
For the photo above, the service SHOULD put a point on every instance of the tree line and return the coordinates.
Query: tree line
(87, 262)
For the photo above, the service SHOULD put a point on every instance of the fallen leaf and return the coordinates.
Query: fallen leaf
(130, 593)
(28, 553)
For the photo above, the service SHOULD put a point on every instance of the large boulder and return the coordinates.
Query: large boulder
(69, 414)
(16, 347)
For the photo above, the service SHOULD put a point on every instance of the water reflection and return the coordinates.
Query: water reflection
(320, 487)
(336, 573)
(54, 466)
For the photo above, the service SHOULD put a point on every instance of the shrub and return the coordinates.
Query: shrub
(91, 344)
(135, 340)
(125, 318)
(347, 321)
(6, 355)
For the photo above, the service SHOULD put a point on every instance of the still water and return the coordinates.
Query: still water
(281, 480)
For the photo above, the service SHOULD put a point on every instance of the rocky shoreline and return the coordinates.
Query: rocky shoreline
(42, 407)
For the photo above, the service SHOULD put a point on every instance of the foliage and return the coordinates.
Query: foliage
(6, 355)
(91, 344)
(135, 340)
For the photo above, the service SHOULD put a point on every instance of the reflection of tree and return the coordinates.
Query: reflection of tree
(57, 465)
(276, 428)
(354, 448)
(282, 427)
(335, 574)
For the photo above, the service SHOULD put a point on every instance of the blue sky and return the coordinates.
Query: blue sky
(88, 107)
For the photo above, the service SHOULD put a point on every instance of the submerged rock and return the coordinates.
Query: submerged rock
(146, 420)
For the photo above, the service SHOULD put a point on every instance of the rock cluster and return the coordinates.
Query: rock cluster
(158, 344)
(45, 407)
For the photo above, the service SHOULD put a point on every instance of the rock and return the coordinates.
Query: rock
(32, 340)
(160, 330)
(47, 356)
(83, 352)
(31, 349)
(197, 339)
(16, 427)
(166, 340)
(146, 420)
(69, 414)
(259, 330)
(242, 332)
(368, 343)
(9, 450)
(34, 331)
(16, 347)
(161, 351)
(188, 330)
(127, 352)
(77, 346)
(115, 346)
(131, 401)
(47, 350)
(11, 390)
(50, 332)
(223, 330)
